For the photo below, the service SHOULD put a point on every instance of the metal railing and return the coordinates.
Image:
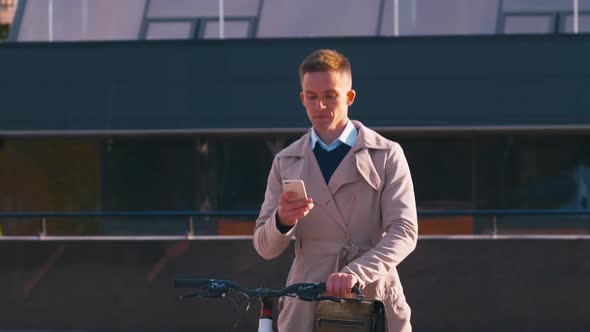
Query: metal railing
(191, 223)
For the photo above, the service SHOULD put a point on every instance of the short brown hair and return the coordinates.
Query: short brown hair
(324, 60)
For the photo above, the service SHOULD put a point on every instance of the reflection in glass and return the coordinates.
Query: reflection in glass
(201, 8)
(68, 20)
(311, 18)
(232, 29)
(169, 30)
(538, 23)
(583, 23)
(450, 172)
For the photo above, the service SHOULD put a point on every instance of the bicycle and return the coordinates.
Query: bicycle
(214, 288)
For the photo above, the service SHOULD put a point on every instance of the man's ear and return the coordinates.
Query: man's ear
(350, 95)
(302, 98)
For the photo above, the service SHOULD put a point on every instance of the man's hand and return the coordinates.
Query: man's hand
(291, 212)
(340, 284)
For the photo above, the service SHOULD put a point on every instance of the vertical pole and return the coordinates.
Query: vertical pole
(414, 15)
(43, 232)
(50, 20)
(474, 174)
(221, 20)
(84, 9)
(576, 12)
(396, 18)
(494, 226)
(191, 228)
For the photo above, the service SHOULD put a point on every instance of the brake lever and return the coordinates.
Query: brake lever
(198, 293)
(202, 293)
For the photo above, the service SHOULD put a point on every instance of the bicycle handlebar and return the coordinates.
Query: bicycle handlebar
(219, 288)
(189, 282)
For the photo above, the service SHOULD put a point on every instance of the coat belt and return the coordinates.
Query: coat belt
(345, 251)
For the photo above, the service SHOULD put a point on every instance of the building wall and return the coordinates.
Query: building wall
(59, 20)
(451, 285)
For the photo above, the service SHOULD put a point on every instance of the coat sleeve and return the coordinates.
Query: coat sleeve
(269, 242)
(399, 219)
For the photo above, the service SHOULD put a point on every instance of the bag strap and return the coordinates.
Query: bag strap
(379, 320)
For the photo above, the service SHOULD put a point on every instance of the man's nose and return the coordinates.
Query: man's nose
(321, 104)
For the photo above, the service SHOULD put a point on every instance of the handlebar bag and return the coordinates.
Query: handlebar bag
(350, 315)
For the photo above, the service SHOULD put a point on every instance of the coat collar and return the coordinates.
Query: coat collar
(367, 139)
(305, 166)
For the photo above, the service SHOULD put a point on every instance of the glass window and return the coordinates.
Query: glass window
(548, 172)
(450, 172)
(583, 23)
(529, 23)
(148, 174)
(540, 5)
(441, 170)
(242, 166)
(170, 30)
(57, 20)
(201, 8)
(49, 174)
(310, 18)
(436, 17)
(231, 29)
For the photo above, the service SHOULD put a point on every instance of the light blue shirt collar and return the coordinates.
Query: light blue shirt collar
(348, 137)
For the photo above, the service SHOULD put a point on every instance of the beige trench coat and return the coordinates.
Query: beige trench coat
(363, 222)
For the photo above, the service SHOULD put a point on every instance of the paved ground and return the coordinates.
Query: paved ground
(227, 329)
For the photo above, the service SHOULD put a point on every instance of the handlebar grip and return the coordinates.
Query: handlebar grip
(356, 289)
(187, 282)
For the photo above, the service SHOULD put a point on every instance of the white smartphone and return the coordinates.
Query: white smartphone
(295, 186)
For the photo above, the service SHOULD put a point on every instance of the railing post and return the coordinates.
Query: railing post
(191, 228)
(43, 232)
(494, 226)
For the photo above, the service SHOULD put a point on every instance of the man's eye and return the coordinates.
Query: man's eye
(331, 96)
(311, 97)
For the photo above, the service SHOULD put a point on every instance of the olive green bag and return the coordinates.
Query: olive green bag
(350, 315)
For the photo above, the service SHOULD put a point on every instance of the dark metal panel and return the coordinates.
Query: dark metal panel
(215, 85)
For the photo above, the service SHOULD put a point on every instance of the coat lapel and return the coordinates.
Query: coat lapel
(345, 173)
(366, 169)
(322, 193)
(306, 167)
(361, 164)
(356, 164)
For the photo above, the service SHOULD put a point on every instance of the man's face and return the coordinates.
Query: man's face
(326, 96)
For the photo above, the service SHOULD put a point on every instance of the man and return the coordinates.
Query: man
(359, 221)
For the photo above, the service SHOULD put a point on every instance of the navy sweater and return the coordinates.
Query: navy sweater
(329, 160)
